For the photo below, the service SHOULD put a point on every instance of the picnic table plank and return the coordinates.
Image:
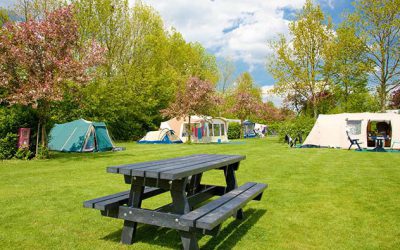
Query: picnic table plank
(118, 169)
(148, 192)
(91, 203)
(190, 218)
(215, 217)
(139, 171)
(162, 167)
(176, 168)
(155, 173)
(192, 170)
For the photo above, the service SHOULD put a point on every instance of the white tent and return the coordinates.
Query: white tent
(163, 136)
(260, 129)
(330, 130)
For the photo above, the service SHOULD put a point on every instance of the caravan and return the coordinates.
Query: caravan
(203, 129)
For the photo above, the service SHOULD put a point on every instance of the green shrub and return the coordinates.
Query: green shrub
(15, 117)
(301, 125)
(43, 153)
(234, 130)
(8, 146)
(273, 128)
(23, 154)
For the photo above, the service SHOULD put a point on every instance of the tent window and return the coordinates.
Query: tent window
(217, 131)
(354, 127)
(222, 129)
(210, 129)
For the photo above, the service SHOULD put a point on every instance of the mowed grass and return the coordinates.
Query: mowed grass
(317, 199)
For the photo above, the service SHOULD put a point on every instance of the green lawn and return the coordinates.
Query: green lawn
(317, 198)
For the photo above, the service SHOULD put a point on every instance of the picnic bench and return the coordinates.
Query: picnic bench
(182, 178)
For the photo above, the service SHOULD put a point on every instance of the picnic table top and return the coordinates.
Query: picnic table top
(176, 168)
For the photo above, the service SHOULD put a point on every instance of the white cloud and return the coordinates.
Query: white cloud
(330, 4)
(268, 96)
(238, 29)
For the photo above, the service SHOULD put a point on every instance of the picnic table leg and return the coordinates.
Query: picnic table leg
(231, 184)
(135, 200)
(194, 184)
(181, 206)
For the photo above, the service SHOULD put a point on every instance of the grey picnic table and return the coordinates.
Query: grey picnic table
(182, 178)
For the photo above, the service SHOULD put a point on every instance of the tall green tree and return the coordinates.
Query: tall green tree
(110, 23)
(348, 65)
(145, 65)
(378, 23)
(298, 63)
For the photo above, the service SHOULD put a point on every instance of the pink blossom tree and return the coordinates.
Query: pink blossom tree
(246, 98)
(197, 97)
(37, 58)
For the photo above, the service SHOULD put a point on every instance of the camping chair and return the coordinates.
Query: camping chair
(289, 140)
(353, 142)
(299, 139)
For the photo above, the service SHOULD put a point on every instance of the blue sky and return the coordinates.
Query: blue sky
(236, 29)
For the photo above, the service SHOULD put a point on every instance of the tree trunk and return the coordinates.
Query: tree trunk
(190, 131)
(382, 97)
(315, 108)
(44, 135)
(346, 97)
(241, 129)
(37, 139)
(43, 111)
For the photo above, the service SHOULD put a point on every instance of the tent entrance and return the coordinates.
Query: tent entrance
(91, 142)
(379, 128)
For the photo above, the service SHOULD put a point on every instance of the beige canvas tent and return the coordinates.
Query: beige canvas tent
(204, 129)
(162, 136)
(330, 130)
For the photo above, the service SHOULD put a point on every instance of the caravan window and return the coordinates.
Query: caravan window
(217, 131)
(210, 129)
(354, 127)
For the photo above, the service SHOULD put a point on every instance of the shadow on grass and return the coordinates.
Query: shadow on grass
(165, 237)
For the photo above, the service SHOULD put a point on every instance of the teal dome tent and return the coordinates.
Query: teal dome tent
(80, 136)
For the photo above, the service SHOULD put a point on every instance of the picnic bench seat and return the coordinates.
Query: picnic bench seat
(215, 212)
(108, 205)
